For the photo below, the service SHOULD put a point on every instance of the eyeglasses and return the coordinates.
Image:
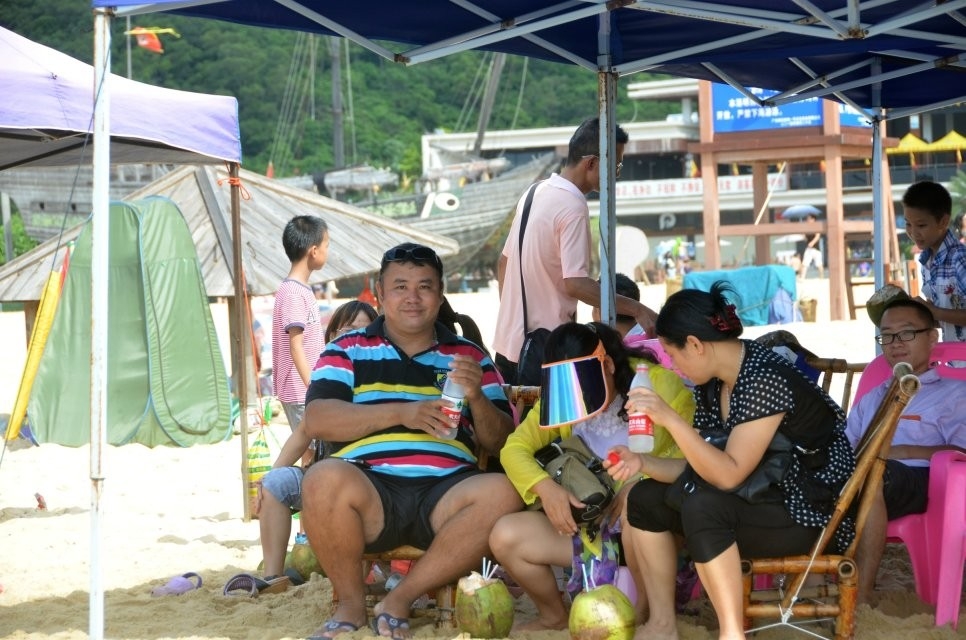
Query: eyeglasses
(902, 336)
(617, 169)
(417, 253)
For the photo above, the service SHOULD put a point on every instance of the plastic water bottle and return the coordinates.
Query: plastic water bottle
(640, 428)
(453, 393)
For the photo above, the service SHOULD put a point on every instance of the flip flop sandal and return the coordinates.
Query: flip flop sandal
(333, 628)
(178, 585)
(245, 585)
(394, 624)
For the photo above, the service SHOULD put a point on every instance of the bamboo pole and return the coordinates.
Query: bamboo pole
(870, 461)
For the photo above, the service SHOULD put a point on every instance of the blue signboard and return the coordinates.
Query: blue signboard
(733, 111)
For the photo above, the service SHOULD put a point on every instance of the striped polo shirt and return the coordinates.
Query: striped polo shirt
(365, 367)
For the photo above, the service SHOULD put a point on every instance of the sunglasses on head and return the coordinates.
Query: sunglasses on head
(413, 254)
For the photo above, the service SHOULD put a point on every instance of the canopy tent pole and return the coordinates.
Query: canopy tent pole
(606, 97)
(878, 217)
(100, 252)
(242, 332)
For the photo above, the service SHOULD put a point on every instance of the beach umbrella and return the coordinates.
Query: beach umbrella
(800, 212)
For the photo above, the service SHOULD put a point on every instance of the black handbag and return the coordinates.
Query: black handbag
(572, 465)
(761, 486)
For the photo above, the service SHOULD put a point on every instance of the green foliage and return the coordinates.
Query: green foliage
(22, 243)
(393, 104)
(957, 189)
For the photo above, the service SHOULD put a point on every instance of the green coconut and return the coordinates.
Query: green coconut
(304, 561)
(603, 613)
(484, 608)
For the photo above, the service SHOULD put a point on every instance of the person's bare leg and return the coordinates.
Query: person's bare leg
(462, 521)
(630, 556)
(275, 527)
(526, 545)
(656, 559)
(721, 578)
(868, 553)
(342, 511)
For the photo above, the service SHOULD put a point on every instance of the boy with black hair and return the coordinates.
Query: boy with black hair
(296, 326)
(928, 207)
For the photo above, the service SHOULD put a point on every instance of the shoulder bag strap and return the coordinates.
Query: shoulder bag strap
(523, 227)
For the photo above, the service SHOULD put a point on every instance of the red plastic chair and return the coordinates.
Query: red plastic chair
(935, 539)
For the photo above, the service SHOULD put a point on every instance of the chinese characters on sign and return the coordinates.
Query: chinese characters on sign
(734, 111)
(693, 186)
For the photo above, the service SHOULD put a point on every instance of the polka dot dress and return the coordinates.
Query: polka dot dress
(767, 385)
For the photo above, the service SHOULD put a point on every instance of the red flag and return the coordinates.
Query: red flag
(270, 171)
(149, 41)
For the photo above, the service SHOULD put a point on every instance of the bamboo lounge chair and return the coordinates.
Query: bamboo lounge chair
(799, 604)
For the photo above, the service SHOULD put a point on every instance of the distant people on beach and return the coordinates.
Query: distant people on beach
(934, 419)
(402, 470)
(280, 490)
(556, 259)
(812, 254)
(927, 207)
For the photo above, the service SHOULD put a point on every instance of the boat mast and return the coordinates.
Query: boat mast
(486, 108)
(338, 120)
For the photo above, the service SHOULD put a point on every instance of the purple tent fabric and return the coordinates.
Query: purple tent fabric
(48, 104)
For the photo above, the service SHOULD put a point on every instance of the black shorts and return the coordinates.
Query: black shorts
(905, 488)
(407, 504)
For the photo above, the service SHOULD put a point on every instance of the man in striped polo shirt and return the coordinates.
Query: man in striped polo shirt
(394, 478)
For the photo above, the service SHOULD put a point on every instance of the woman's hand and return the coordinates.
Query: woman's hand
(622, 464)
(641, 400)
(556, 502)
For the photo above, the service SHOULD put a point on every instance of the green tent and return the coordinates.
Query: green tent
(166, 380)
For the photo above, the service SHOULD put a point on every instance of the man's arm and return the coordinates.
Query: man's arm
(500, 274)
(587, 290)
(341, 421)
(814, 241)
(492, 426)
(918, 452)
(942, 314)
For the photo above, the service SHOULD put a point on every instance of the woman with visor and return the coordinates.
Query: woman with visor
(585, 385)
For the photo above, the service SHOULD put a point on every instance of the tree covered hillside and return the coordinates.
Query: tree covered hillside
(392, 105)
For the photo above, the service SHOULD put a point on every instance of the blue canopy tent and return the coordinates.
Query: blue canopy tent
(873, 55)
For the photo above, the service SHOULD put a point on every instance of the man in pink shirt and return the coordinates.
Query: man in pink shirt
(556, 253)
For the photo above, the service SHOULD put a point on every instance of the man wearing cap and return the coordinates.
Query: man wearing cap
(934, 419)
(397, 475)
(554, 266)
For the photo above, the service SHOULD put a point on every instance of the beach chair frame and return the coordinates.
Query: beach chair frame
(837, 598)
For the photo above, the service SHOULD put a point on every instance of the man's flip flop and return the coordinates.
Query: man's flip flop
(178, 585)
(333, 628)
(246, 585)
(393, 624)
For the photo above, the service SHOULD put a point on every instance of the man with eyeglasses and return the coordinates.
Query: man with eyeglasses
(397, 475)
(556, 258)
(934, 419)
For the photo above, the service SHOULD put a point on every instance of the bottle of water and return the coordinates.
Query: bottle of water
(453, 394)
(640, 428)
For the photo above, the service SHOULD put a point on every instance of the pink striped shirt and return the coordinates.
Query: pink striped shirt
(295, 306)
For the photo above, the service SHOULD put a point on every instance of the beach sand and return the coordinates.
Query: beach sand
(168, 511)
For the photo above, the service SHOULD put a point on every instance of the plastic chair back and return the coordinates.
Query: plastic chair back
(948, 475)
(949, 358)
(875, 373)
